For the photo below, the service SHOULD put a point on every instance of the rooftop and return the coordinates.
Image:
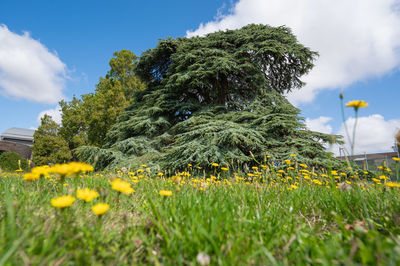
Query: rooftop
(18, 133)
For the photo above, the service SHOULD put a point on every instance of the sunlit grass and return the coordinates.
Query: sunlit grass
(265, 215)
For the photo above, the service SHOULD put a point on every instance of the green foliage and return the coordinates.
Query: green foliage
(235, 224)
(9, 161)
(216, 98)
(87, 120)
(49, 146)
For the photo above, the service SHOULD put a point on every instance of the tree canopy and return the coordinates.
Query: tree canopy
(86, 121)
(49, 146)
(216, 98)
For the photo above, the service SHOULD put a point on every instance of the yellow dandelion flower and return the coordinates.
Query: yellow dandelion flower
(396, 159)
(357, 104)
(292, 155)
(62, 202)
(19, 170)
(166, 192)
(86, 194)
(42, 171)
(143, 165)
(100, 208)
(122, 186)
(224, 168)
(160, 174)
(215, 164)
(31, 176)
(383, 177)
(392, 184)
(303, 165)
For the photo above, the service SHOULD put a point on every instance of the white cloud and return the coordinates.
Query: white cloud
(319, 124)
(356, 39)
(54, 113)
(28, 70)
(373, 133)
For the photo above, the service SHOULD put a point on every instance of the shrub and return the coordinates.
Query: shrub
(9, 161)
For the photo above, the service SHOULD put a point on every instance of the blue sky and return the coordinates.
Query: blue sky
(70, 43)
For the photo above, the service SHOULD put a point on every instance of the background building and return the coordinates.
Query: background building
(19, 140)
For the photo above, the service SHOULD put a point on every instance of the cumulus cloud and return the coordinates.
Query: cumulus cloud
(373, 133)
(28, 70)
(319, 124)
(356, 39)
(54, 113)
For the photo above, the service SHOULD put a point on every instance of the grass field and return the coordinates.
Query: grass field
(263, 217)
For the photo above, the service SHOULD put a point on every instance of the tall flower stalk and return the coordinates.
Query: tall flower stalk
(356, 105)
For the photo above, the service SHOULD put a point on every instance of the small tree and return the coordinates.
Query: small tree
(88, 119)
(49, 146)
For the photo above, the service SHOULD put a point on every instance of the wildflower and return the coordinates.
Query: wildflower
(316, 181)
(288, 162)
(383, 177)
(31, 176)
(215, 164)
(281, 171)
(396, 159)
(140, 171)
(293, 155)
(303, 165)
(122, 186)
(165, 193)
(224, 168)
(100, 208)
(392, 184)
(357, 104)
(254, 168)
(71, 168)
(42, 171)
(19, 170)
(160, 174)
(143, 165)
(62, 202)
(189, 165)
(86, 194)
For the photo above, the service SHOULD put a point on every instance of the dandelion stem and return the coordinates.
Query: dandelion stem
(354, 133)
(344, 123)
